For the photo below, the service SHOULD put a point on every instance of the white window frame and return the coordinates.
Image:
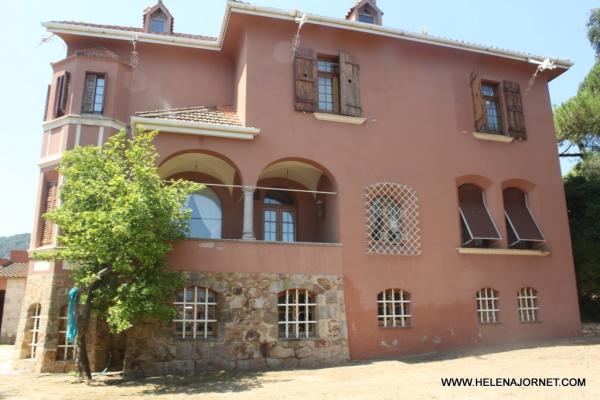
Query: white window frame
(35, 316)
(195, 304)
(63, 334)
(488, 306)
(527, 300)
(388, 297)
(292, 300)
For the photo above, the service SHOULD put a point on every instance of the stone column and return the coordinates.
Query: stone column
(248, 232)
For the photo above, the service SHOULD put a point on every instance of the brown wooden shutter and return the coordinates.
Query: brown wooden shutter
(89, 93)
(478, 104)
(476, 216)
(349, 86)
(61, 98)
(305, 77)
(51, 200)
(47, 101)
(520, 220)
(514, 110)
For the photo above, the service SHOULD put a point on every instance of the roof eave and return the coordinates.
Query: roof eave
(196, 128)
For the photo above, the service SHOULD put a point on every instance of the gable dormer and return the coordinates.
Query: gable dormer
(365, 11)
(158, 19)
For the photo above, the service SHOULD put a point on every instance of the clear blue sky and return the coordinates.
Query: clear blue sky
(551, 27)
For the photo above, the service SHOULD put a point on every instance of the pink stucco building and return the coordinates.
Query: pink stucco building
(370, 192)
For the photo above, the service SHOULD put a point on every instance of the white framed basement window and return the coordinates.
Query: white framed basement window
(195, 313)
(393, 308)
(35, 315)
(297, 309)
(527, 299)
(65, 351)
(488, 306)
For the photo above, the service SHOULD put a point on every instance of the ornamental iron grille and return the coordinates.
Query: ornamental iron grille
(195, 313)
(393, 308)
(528, 304)
(487, 306)
(297, 309)
(392, 215)
(65, 351)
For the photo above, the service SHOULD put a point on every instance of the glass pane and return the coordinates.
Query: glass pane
(157, 25)
(206, 218)
(366, 18)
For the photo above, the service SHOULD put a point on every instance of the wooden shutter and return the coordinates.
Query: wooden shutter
(305, 77)
(478, 103)
(60, 98)
(349, 86)
(46, 106)
(514, 110)
(89, 92)
(51, 199)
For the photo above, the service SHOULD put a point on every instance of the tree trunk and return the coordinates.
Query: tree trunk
(83, 320)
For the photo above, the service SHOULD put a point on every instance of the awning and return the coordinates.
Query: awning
(519, 218)
(474, 214)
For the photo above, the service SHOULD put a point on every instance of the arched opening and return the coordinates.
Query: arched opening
(216, 211)
(296, 200)
(206, 215)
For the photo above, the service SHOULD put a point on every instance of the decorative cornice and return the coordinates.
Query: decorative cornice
(49, 161)
(196, 128)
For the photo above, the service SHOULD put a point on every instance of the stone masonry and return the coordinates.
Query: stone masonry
(50, 291)
(15, 289)
(247, 328)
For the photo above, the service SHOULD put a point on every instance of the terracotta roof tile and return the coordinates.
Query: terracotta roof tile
(14, 270)
(135, 29)
(218, 115)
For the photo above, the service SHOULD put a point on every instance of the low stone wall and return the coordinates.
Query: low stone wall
(247, 328)
(15, 290)
(591, 329)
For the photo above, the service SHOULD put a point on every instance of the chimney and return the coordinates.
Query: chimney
(19, 256)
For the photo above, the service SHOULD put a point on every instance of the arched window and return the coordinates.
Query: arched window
(393, 308)
(65, 351)
(527, 299)
(487, 306)
(206, 218)
(477, 225)
(297, 310)
(392, 219)
(195, 313)
(279, 216)
(34, 315)
(521, 227)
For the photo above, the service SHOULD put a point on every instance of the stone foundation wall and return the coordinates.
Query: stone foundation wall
(15, 290)
(247, 328)
(591, 329)
(50, 291)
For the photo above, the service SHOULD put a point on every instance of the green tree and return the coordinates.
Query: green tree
(118, 220)
(582, 189)
(593, 26)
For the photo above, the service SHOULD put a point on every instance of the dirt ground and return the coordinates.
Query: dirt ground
(409, 378)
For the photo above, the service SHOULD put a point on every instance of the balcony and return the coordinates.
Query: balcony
(255, 256)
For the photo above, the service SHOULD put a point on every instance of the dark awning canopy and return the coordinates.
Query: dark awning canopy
(475, 215)
(519, 218)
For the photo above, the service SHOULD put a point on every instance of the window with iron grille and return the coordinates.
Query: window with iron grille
(195, 313)
(487, 306)
(527, 299)
(297, 309)
(392, 219)
(328, 71)
(35, 315)
(393, 308)
(65, 351)
(489, 92)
